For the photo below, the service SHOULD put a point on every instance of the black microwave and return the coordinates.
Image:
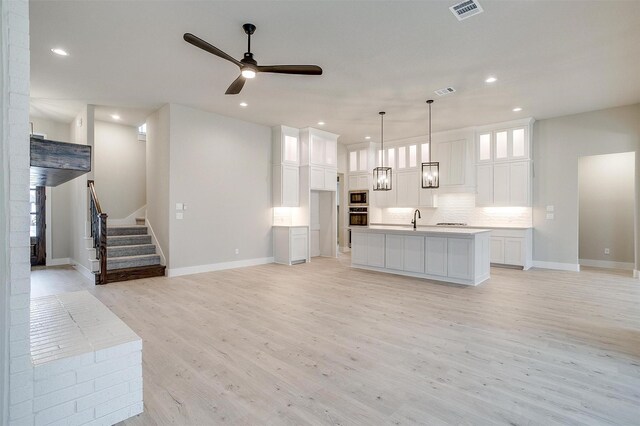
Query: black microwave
(359, 198)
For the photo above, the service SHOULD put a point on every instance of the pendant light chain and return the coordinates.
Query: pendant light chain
(430, 130)
(382, 135)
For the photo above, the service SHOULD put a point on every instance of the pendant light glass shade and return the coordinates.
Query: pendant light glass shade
(382, 176)
(430, 170)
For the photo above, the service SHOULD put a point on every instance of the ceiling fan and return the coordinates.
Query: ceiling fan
(248, 66)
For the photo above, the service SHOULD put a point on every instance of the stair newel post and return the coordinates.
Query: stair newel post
(102, 249)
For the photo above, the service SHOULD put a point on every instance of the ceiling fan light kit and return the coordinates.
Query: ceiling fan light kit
(248, 66)
(382, 176)
(430, 170)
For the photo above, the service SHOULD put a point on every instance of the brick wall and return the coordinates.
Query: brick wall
(15, 145)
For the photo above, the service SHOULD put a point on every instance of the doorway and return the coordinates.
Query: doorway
(606, 211)
(37, 225)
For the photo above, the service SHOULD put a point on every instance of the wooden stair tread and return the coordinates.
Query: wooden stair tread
(140, 272)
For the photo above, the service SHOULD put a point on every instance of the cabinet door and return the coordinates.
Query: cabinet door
(501, 184)
(375, 250)
(513, 251)
(496, 247)
(317, 178)
(484, 183)
(363, 165)
(290, 185)
(413, 254)
(519, 143)
(290, 151)
(394, 245)
(353, 161)
(484, 148)
(436, 256)
(408, 189)
(519, 183)
(299, 246)
(457, 163)
(359, 248)
(353, 182)
(460, 258)
(317, 153)
(330, 149)
(330, 179)
(363, 181)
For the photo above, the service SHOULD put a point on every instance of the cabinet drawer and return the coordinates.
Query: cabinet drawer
(298, 231)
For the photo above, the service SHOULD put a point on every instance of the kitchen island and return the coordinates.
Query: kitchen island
(455, 255)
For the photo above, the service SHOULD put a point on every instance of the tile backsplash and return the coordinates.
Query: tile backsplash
(460, 208)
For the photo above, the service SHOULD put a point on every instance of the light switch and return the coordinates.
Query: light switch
(550, 208)
(550, 216)
(179, 206)
(179, 215)
(184, 206)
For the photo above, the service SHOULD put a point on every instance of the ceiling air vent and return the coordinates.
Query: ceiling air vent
(466, 9)
(445, 91)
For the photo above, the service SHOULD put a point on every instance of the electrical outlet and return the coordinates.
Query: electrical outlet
(550, 216)
(238, 251)
(179, 216)
(607, 251)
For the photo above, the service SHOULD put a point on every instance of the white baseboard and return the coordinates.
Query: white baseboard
(83, 270)
(58, 262)
(131, 219)
(176, 272)
(628, 266)
(575, 267)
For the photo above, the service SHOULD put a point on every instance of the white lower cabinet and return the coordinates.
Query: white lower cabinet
(459, 258)
(413, 248)
(511, 247)
(436, 256)
(290, 244)
(368, 249)
(394, 246)
(375, 250)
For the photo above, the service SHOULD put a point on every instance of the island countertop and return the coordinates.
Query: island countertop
(421, 230)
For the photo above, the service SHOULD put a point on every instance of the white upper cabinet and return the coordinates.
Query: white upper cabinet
(319, 148)
(285, 145)
(408, 188)
(358, 160)
(503, 144)
(452, 157)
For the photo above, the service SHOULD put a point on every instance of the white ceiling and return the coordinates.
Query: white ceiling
(552, 58)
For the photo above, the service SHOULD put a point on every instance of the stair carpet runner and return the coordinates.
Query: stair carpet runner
(130, 253)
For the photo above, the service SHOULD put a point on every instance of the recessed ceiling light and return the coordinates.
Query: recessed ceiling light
(320, 123)
(244, 104)
(115, 116)
(491, 80)
(517, 109)
(59, 51)
(367, 137)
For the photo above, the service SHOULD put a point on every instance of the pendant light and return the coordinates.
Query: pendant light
(382, 174)
(430, 170)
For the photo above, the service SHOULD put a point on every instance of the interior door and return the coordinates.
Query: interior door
(37, 200)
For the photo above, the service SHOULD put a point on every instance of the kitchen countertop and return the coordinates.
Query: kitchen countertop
(289, 226)
(466, 226)
(420, 230)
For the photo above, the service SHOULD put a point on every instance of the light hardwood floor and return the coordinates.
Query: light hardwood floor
(321, 343)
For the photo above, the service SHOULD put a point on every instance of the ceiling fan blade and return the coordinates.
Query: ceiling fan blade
(198, 42)
(236, 86)
(291, 69)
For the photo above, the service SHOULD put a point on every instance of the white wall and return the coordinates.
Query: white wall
(158, 177)
(221, 168)
(557, 145)
(16, 370)
(607, 202)
(59, 197)
(81, 132)
(120, 169)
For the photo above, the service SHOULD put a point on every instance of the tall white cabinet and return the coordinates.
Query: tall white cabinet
(285, 151)
(503, 164)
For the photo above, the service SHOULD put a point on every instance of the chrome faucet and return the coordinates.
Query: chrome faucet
(414, 222)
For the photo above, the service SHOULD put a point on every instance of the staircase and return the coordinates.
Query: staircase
(130, 254)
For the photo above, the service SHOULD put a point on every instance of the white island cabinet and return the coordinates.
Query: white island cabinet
(455, 255)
